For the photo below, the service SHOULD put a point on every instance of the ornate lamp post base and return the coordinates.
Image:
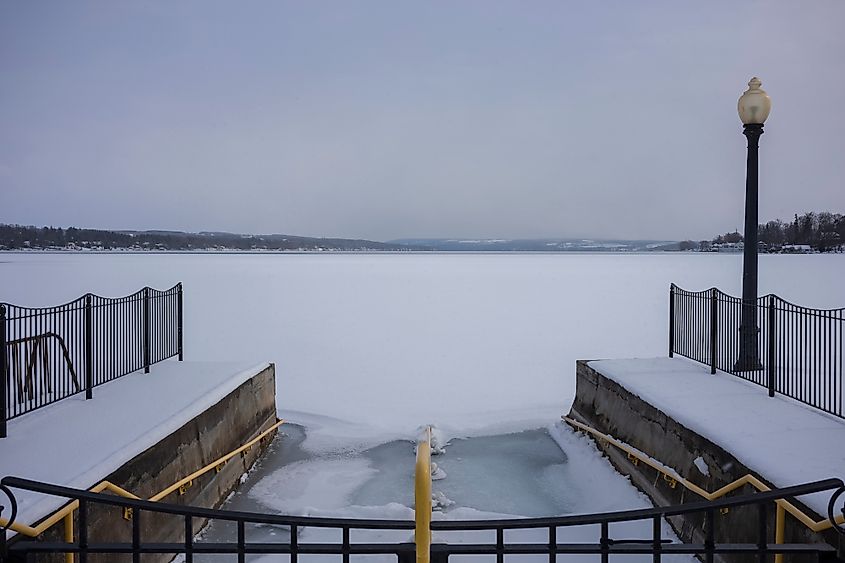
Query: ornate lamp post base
(749, 351)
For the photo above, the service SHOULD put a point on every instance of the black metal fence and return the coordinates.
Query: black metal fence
(795, 351)
(50, 353)
(494, 536)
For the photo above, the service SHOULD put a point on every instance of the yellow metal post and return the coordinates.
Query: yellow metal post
(780, 529)
(69, 535)
(422, 498)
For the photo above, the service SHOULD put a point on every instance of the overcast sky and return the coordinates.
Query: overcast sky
(416, 119)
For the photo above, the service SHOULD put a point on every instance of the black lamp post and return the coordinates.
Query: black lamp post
(754, 107)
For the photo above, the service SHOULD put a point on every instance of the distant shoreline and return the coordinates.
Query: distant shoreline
(89, 252)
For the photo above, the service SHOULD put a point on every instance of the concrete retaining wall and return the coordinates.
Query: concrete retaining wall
(608, 407)
(235, 420)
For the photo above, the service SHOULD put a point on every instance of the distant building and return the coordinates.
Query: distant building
(727, 247)
(797, 249)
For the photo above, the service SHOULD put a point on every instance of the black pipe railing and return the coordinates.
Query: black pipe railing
(798, 351)
(182, 518)
(50, 353)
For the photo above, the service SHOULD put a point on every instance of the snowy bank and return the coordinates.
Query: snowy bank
(785, 442)
(77, 443)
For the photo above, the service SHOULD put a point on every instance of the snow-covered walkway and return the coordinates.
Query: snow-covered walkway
(784, 441)
(77, 443)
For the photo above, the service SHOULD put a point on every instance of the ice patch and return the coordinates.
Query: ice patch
(389, 511)
(313, 485)
(328, 434)
(439, 501)
(437, 473)
(702, 466)
(438, 441)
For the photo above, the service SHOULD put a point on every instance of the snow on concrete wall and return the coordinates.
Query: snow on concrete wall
(611, 408)
(221, 428)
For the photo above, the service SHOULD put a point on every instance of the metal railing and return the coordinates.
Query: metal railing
(795, 351)
(759, 505)
(50, 353)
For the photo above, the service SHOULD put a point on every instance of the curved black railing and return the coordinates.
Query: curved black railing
(183, 517)
(50, 353)
(797, 351)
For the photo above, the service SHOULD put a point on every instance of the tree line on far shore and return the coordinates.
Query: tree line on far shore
(820, 232)
(21, 237)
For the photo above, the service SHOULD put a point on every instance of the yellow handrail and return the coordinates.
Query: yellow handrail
(422, 498)
(783, 506)
(66, 512)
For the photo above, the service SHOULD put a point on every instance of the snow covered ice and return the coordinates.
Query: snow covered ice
(368, 347)
(393, 341)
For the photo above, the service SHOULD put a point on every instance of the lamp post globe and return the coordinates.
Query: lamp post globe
(754, 106)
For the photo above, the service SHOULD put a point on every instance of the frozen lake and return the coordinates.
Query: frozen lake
(369, 347)
(393, 341)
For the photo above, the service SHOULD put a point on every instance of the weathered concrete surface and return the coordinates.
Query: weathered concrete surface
(608, 407)
(235, 420)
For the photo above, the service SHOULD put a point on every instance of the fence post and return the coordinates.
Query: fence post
(89, 350)
(671, 320)
(146, 330)
(3, 391)
(714, 329)
(179, 312)
(772, 336)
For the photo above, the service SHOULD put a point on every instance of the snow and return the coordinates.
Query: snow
(307, 486)
(440, 501)
(437, 439)
(701, 465)
(437, 472)
(77, 443)
(785, 442)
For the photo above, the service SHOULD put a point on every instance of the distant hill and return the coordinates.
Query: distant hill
(18, 237)
(539, 245)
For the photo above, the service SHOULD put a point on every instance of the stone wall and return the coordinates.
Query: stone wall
(236, 419)
(608, 407)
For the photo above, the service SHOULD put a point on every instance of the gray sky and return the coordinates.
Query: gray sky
(410, 119)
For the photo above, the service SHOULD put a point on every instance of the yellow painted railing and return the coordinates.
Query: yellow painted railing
(673, 478)
(66, 512)
(422, 498)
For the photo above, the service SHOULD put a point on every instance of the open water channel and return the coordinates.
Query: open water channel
(520, 474)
